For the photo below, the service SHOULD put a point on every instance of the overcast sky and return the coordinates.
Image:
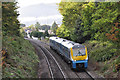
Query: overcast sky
(43, 11)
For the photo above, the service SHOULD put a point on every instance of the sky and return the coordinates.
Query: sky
(42, 11)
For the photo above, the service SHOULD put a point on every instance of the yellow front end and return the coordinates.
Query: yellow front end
(79, 57)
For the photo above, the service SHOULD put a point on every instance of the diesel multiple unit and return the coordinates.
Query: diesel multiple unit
(73, 53)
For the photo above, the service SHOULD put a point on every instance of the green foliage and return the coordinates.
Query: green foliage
(89, 20)
(79, 30)
(23, 32)
(37, 26)
(54, 27)
(21, 61)
(31, 27)
(106, 54)
(64, 32)
(98, 21)
(103, 51)
(116, 64)
(46, 33)
(10, 23)
(45, 27)
(37, 34)
(104, 17)
(69, 10)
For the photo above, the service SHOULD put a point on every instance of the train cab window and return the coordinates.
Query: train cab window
(68, 52)
(79, 52)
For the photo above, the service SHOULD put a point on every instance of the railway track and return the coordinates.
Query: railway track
(78, 74)
(49, 66)
(61, 69)
(66, 68)
(54, 67)
(48, 54)
(82, 74)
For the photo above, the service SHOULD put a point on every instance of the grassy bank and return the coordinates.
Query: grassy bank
(21, 60)
(105, 56)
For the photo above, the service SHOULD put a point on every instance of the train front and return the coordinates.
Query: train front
(79, 56)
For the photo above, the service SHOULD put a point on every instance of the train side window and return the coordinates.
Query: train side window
(59, 45)
(56, 44)
(53, 42)
(68, 52)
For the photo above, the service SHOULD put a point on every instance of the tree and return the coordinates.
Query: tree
(10, 23)
(54, 27)
(23, 32)
(88, 20)
(40, 34)
(104, 16)
(22, 25)
(46, 33)
(31, 27)
(36, 34)
(37, 26)
(63, 32)
(71, 12)
(45, 27)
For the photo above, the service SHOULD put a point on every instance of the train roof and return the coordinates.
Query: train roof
(66, 43)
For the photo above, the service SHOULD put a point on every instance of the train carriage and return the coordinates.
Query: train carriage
(74, 53)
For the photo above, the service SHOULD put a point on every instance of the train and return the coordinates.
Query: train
(73, 53)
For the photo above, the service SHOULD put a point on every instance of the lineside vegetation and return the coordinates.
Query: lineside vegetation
(96, 24)
(18, 56)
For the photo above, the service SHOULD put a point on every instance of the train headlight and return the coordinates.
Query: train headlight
(86, 58)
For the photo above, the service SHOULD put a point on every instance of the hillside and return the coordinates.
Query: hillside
(20, 59)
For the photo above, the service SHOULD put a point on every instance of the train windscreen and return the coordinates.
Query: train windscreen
(79, 52)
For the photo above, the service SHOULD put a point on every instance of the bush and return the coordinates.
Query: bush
(37, 34)
(102, 51)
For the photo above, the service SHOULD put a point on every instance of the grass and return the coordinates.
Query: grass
(21, 60)
(107, 55)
